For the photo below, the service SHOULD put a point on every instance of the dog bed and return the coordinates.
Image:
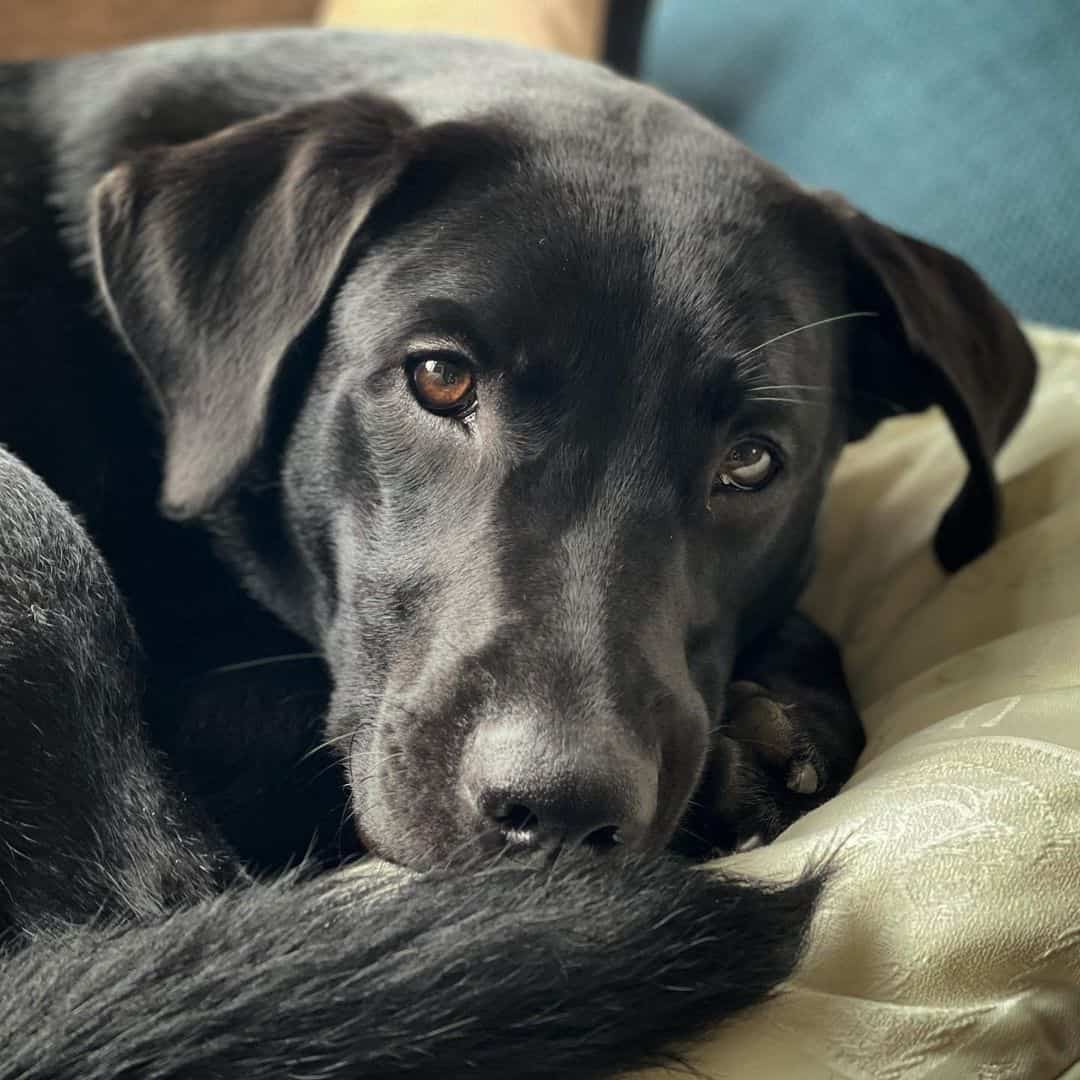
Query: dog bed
(948, 943)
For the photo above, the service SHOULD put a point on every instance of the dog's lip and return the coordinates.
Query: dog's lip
(493, 845)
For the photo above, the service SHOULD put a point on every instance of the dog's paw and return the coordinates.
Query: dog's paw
(773, 759)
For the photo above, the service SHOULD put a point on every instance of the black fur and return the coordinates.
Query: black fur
(515, 973)
(87, 829)
(125, 956)
(507, 632)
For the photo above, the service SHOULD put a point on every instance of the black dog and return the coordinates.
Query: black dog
(507, 388)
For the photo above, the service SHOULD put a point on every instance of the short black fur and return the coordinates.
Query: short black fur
(135, 947)
(541, 634)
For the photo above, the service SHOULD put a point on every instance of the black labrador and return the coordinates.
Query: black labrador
(460, 414)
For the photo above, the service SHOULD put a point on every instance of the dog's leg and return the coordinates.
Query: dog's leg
(88, 828)
(789, 738)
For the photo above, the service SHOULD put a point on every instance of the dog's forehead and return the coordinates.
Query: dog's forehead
(615, 271)
(606, 284)
(688, 219)
(668, 236)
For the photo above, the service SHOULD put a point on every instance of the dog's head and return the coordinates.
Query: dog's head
(526, 425)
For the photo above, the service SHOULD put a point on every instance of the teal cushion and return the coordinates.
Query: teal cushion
(958, 122)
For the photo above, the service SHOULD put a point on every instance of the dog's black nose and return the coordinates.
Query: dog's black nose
(552, 819)
(533, 797)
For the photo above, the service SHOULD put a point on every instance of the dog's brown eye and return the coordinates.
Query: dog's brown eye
(748, 466)
(443, 384)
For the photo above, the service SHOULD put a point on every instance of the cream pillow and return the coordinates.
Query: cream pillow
(948, 945)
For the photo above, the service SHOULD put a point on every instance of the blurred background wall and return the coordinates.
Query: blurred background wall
(30, 28)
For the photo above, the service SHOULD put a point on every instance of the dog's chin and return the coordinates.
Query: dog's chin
(421, 850)
(478, 854)
(415, 842)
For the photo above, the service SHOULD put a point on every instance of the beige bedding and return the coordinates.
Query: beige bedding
(949, 943)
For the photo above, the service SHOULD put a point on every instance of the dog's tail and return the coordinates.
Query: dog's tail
(570, 972)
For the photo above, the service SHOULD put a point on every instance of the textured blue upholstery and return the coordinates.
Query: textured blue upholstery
(956, 121)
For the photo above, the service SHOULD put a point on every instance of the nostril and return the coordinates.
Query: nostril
(523, 803)
(514, 816)
(604, 839)
(551, 825)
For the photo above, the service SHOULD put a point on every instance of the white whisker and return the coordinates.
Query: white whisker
(787, 401)
(794, 386)
(262, 662)
(805, 326)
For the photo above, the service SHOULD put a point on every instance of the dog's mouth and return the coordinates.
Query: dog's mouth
(431, 791)
(420, 800)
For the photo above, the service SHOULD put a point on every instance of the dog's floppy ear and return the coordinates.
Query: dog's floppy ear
(942, 338)
(214, 255)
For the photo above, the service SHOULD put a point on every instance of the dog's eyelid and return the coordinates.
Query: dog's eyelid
(783, 420)
(434, 344)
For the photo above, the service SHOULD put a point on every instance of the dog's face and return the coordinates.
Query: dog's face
(553, 501)
(546, 424)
